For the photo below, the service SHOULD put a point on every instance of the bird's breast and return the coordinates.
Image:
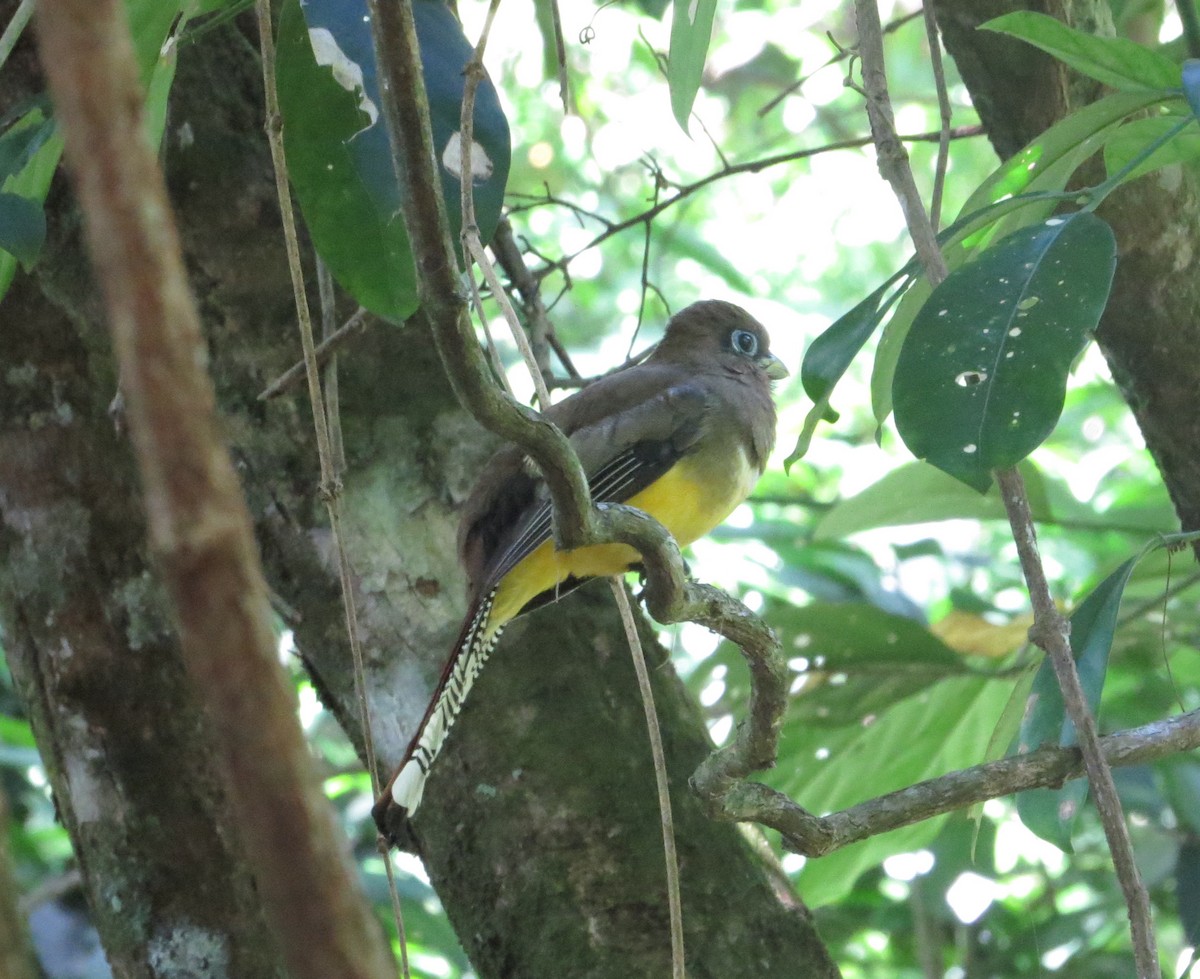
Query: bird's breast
(690, 499)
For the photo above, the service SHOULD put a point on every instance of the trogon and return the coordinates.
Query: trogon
(684, 436)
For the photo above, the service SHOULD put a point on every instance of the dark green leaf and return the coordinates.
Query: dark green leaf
(1187, 889)
(1115, 61)
(338, 154)
(1051, 813)
(22, 228)
(22, 141)
(982, 376)
(830, 354)
(691, 30)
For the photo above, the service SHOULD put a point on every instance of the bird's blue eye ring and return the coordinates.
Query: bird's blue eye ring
(744, 342)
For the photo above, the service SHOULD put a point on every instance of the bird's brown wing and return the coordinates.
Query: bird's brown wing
(621, 454)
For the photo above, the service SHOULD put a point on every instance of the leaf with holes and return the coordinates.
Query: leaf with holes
(339, 158)
(982, 375)
(691, 31)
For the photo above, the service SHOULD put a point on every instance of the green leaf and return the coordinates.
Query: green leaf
(981, 379)
(919, 493)
(941, 729)
(830, 354)
(1043, 167)
(31, 183)
(1130, 140)
(868, 659)
(23, 139)
(1051, 813)
(150, 21)
(22, 228)
(691, 31)
(1115, 61)
(339, 158)
(1045, 164)
(368, 253)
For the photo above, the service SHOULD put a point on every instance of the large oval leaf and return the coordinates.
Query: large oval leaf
(982, 375)
(339, 159)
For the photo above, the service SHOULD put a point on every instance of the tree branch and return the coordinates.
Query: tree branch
(1050, 766)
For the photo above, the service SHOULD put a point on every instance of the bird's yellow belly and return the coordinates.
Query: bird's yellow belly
(689, 500)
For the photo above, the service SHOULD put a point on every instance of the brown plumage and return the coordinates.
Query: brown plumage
(683, 435)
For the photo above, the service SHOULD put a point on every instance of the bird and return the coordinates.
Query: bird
(683, 435)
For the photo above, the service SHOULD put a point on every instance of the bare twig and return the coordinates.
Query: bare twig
(329, 346)
(674, 904)
(199, 527)
(891, 157)
(939, 80)
(687, 190)
(842, 55)
(16, 26)
(508, 255)
(1050, 631)
(1049, 766)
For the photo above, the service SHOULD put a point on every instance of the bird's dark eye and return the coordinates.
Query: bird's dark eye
(744, 342)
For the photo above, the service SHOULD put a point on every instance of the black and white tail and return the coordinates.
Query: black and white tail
(470, 653)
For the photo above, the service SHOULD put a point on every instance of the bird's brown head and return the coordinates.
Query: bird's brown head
(716, 331)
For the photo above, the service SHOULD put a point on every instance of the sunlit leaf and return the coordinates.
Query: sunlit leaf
(1132, 138)
(918, 493)
(943, 728)
(860, 659)
(1115, 61)
(691, 30)
(982, 376)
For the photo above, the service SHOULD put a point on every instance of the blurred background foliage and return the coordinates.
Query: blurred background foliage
(895, 590)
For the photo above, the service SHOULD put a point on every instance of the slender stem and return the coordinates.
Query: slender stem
(322, 411)
(1191, 25)
(16, 26)
(891, 156)
(324, 352)
(1050, 631)
(945, 114)
(674, 904)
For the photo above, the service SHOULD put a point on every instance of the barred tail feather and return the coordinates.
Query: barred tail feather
(470, 653)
